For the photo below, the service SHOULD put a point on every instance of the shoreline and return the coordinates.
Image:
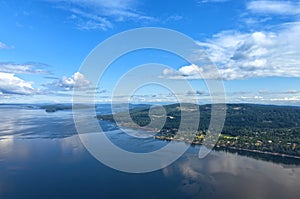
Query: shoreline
(263, 152)
(169, 139)
(232, 148)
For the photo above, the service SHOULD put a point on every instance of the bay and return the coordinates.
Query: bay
(41, 156)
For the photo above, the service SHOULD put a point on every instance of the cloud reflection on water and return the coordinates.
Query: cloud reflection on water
(226, 174)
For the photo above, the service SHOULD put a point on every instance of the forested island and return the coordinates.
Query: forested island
(267, 129)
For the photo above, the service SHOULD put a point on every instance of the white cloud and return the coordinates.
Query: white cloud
(68, 83)
(191, 72)
(10, 84)
(290, 97)
(77, 79)
(26, 68)
(4, 46)
(275, 7)
(88, 20)
(245, 55)
(284, 99)
(196, 72)
(99, 14)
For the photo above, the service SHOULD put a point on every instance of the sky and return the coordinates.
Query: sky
(255, 45)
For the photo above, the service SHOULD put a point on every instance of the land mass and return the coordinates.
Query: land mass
(267, 129)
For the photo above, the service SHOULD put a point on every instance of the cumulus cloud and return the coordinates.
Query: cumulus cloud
(10, 84)
(275, 7)
(244, 55)
(26, 68)
(191, 71)
(196, 72)
(68, 83)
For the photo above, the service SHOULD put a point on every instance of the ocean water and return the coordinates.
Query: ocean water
(41, 156)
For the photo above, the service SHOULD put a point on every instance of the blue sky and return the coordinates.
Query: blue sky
(255, 45)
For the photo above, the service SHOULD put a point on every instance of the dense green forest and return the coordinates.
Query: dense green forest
(265, 128)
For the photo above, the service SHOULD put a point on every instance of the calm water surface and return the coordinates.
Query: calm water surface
(42, 157)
